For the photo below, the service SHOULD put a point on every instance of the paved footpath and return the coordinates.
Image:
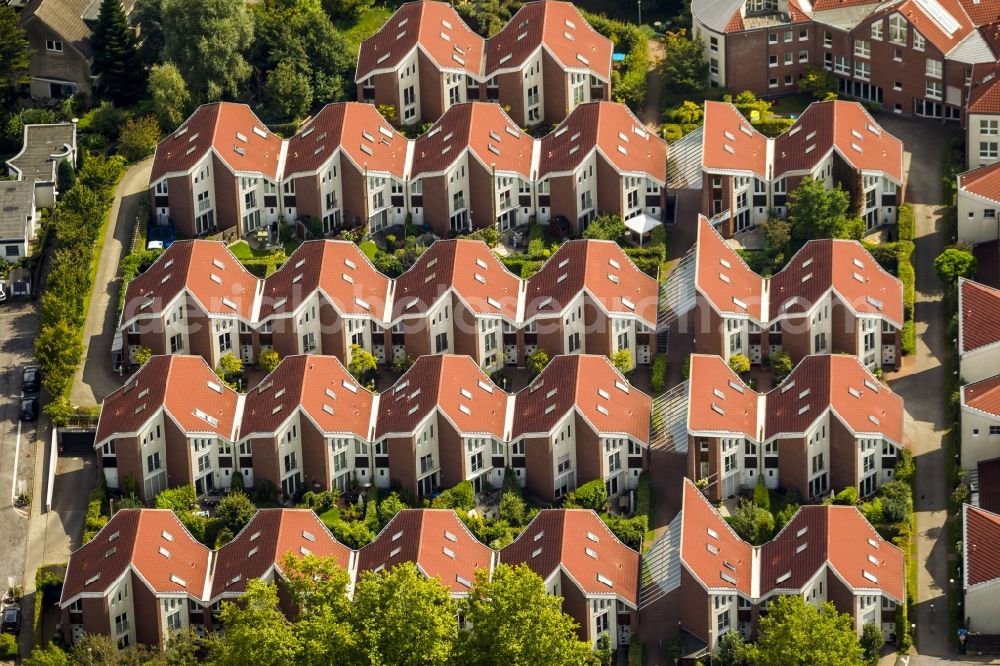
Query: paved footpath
(95, 379)
(921, 382)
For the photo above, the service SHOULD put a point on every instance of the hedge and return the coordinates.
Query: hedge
(773, 126)
(658, 374)
(909, 342)
(904, 222)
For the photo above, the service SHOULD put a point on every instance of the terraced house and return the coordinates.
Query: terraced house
(457, 298)
(221, 170)
(910, 57)
(744, 177)
(831, 297)
(829, 425)
(310, 426)
(703, 579)
(544, 63)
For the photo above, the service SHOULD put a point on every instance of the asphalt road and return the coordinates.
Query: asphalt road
(19, 442)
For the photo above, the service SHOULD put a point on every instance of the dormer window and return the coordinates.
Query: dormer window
(762, 7)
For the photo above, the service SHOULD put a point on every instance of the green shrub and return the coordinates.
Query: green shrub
(461, 496)
(909, 338)
(658, 373)
(8, 647)
(786, 513)
(139, 137)
(872, 511)
(591, 495)
(644, 496)
(629, 531)
(772, 127)
(761, 497)
(635, 655)
(848, 496)
(369, 249)
(905, 222)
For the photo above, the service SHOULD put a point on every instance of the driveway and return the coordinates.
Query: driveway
(921, 380)
(95, 379)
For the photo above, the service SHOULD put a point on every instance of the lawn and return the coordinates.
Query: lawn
(242, 251)
(366, 26)
(330, 517)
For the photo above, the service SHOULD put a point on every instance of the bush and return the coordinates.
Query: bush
(872, 511)
(739, 363)
(644, 496)
(905, 222)
(139, 137)
(488, 235)
(591, 495)
(761, 497)
(461, 496)
(752, 523)
(658, 373)
(773, 126)
(369, 249)
(606, 227)
(781, 364)
(909, 338)
(8, 647)
(629, 531)
(786, 513)
(848, 496)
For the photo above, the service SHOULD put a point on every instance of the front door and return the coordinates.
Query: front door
(642, 355)
(624, 634)
(889, 355)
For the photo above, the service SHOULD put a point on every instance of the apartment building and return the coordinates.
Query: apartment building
(579, 420)
(437, 541)
(474, 168)
(220, 169)
(598, 582)
(980, 570)
(910, 57)
(543, 63)
(143, 577)
(829, 425)
(705, 580)
(172, 424)
(746, 177)
(348, 168)
(457, 298)
(601, 160)
(831, 297)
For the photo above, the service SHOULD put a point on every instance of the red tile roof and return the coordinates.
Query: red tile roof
(983, 182)
(983, 396)
(452, 384)
(944, 38)
(263, 544)
(184, 386)
(844, 266)
(841, 382)
(600, 267)
(436, 540)
(560, 29)
(579, 542)
(209, 273)
(984, 95)
(979, 316)
(433, 26)
(719, 401)
(982, 546)
(723, 278)
(466, 266)
(319, 385)
(239, 138)
(339, 269)
(842, 126)
(710, 549)
(835, 535)
(489, 134)
(730, 143)
(153, 542)
(620, 137)
(358, 130)
(590, 384)
(825, 5)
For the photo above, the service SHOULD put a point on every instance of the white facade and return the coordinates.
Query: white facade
(977, 218)
(983, 139)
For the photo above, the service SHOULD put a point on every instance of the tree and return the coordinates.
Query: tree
(752, 107)
(58, 351)
(819, 83)
(513, 620)
(47, 656)
(287, 93)
(487, 17)
(14, 54)
(65, 175)
(689, 113)
(872, 642)
(954, 263)
(318, 586)
(591, 495)
(781, 364)
(171, 99)
(795, 632)
(461, 496)
(731, 649)
(400, 617)
(347, 11)
(683, 68)
(389, 507)
(362, 364)
(816, 212)
(537, 360)
(777, 234)
(739, 363)
(761, 497)
(186, 648)
(142, 356)
(139, 138)
(256, 630)
(848, 496)
(234, 511)
(622, 360)
(752, 523)
(268, 360)
(512, 508)
(116, 57)
(230, 367)
(606, 227)
(148, 15)
(206, 39)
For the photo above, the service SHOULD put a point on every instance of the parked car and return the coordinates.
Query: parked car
(31, 378)
(11, 623)
(29, 408)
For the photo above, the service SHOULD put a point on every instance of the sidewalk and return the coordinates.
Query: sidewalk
(95, 378)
